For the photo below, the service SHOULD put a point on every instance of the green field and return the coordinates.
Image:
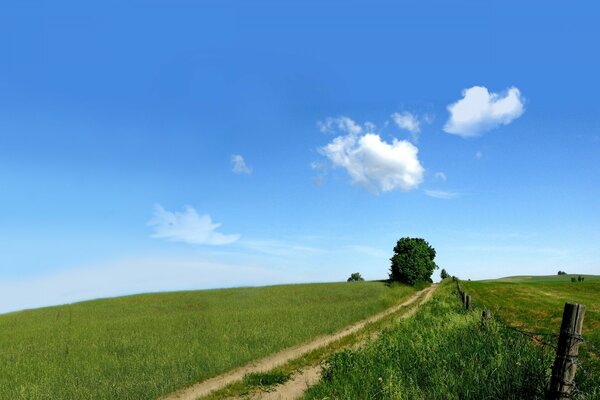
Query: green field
(536, 303)
(144, 346)
(442, 352)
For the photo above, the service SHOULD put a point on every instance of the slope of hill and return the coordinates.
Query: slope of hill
(536, 303)
(148, 345)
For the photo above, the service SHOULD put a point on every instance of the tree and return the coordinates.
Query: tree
(412, 261)
(562, 273)
(355, 277)
(444, 274)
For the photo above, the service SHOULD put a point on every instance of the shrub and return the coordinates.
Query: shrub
(355, 277)
(412, 261)
(573, 279)
(444, 274)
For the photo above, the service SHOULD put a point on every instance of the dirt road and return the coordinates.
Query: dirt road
(205, 387)
(310, 376)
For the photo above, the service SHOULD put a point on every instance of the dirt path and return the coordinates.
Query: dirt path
(205, 387)
(310, 376)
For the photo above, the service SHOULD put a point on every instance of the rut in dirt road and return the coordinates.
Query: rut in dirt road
(205, 387)
(310, 376)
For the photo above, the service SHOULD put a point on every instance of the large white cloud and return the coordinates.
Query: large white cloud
(188, 227)
(375, 164)
(480, 111)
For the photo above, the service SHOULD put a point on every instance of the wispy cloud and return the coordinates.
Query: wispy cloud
(139, 275)
(188, 227)
(442, 194)
(375, 164)
(278, 247)
(341, 124)
(440, 176)
(407, 121)
(239, 166)
(480, 111)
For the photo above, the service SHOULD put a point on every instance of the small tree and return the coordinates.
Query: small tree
(412, 261)
(573, 279)
(562, 273)
(355, 277)
(444, 274)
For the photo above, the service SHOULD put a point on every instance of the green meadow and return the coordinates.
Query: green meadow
(443, 352)
(145, 346)
(536, 303)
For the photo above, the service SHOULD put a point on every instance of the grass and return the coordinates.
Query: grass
(536, 303)
(145, 346)
(442, 352)
(265, 380)
(317, 356)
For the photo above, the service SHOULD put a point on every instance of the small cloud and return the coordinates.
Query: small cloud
(238, 165)
(375, 164)
(480, 111)
(340, 124)
(408, 121)
(187, 227)
(442, 194)
(479, 155)
(440, 176)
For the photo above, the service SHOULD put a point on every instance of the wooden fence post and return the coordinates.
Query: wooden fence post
(565, 364)
(467, 302)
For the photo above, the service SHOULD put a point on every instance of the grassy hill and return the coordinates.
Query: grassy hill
(544, 278)
(535, 304)
(144, 346)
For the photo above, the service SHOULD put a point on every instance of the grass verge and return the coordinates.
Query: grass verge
(442, 352)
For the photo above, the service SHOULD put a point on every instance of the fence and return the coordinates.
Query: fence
(569, 339)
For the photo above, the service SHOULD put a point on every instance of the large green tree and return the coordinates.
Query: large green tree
(412, 261)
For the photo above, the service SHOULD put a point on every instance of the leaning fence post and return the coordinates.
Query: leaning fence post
(467, 302)
(565, 365)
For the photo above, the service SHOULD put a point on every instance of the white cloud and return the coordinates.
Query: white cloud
(480, 111)
(187, 227)
(341, 124)
(440, 176)
(408, 121)
(479, 155)
(238, 165)
(442, 194)
(374, 163)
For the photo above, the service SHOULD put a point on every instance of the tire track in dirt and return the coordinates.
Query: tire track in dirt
(207, 386)
(310, 376)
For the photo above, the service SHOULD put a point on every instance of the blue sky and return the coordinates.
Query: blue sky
(179, 145)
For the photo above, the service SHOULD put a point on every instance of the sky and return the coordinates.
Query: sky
(155, 146)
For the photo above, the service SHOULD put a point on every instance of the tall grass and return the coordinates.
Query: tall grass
(442, 352)
(145, 346)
